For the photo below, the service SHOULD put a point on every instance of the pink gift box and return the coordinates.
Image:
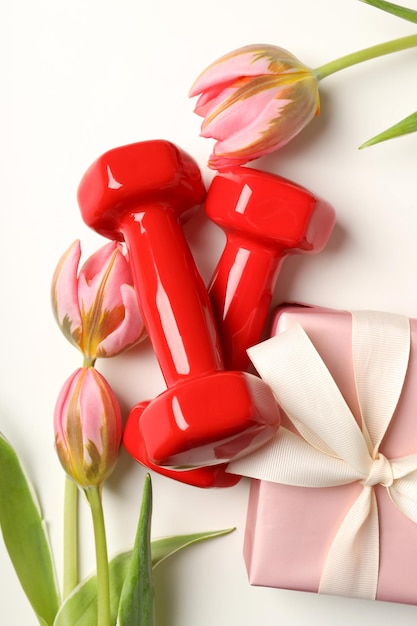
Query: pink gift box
(289, 529)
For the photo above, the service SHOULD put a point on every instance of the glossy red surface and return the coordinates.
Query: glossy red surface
(265, 218)
(172, 297)
(209, 420)
(204, 477)
(140, 174)
(207, 415)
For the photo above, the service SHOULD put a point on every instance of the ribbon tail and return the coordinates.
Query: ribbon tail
(352, 564)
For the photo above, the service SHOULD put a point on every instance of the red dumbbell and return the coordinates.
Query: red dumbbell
(207, 416)
(265, 218)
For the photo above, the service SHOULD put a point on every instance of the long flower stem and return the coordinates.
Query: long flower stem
(70, 578)
(103, 583)
(365, 55)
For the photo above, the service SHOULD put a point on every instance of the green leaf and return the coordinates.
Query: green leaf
(164, 548)
(395, 9)
(406, 126)
(137, 598)
(80, 608)
(25, 536)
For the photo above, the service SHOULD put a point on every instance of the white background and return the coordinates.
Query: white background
(80, 77)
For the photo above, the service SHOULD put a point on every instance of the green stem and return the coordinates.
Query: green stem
(103, 583)
(89, 361)
(70, 578)
(364, 55)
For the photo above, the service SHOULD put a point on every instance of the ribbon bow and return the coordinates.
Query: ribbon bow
(331, 448)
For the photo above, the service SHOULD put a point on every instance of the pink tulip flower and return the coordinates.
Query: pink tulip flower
(253, 101)
(97, 310)
(88, 427)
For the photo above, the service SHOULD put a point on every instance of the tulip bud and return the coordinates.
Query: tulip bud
(254, 100)
(88, 427)
(97, 310)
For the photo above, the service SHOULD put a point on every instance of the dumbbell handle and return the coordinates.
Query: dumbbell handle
(174, 302)
(240, 292)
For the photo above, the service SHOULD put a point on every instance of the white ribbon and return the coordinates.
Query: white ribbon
(332, 449)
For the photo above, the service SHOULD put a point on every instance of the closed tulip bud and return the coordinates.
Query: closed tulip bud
(88, 427)
(253, 101)
(97, 308)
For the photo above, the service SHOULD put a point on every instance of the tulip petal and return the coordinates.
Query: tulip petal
(67, 425)
(253, 60)
(90, 409)
(212, 98)
(253, 101)
(95, 263)
(88, 427)
(90, 308)
(108, 328)
(118, 276)
(64, 293)
(240, 116)
(96, 276)
(274, 126)
(129, 332)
